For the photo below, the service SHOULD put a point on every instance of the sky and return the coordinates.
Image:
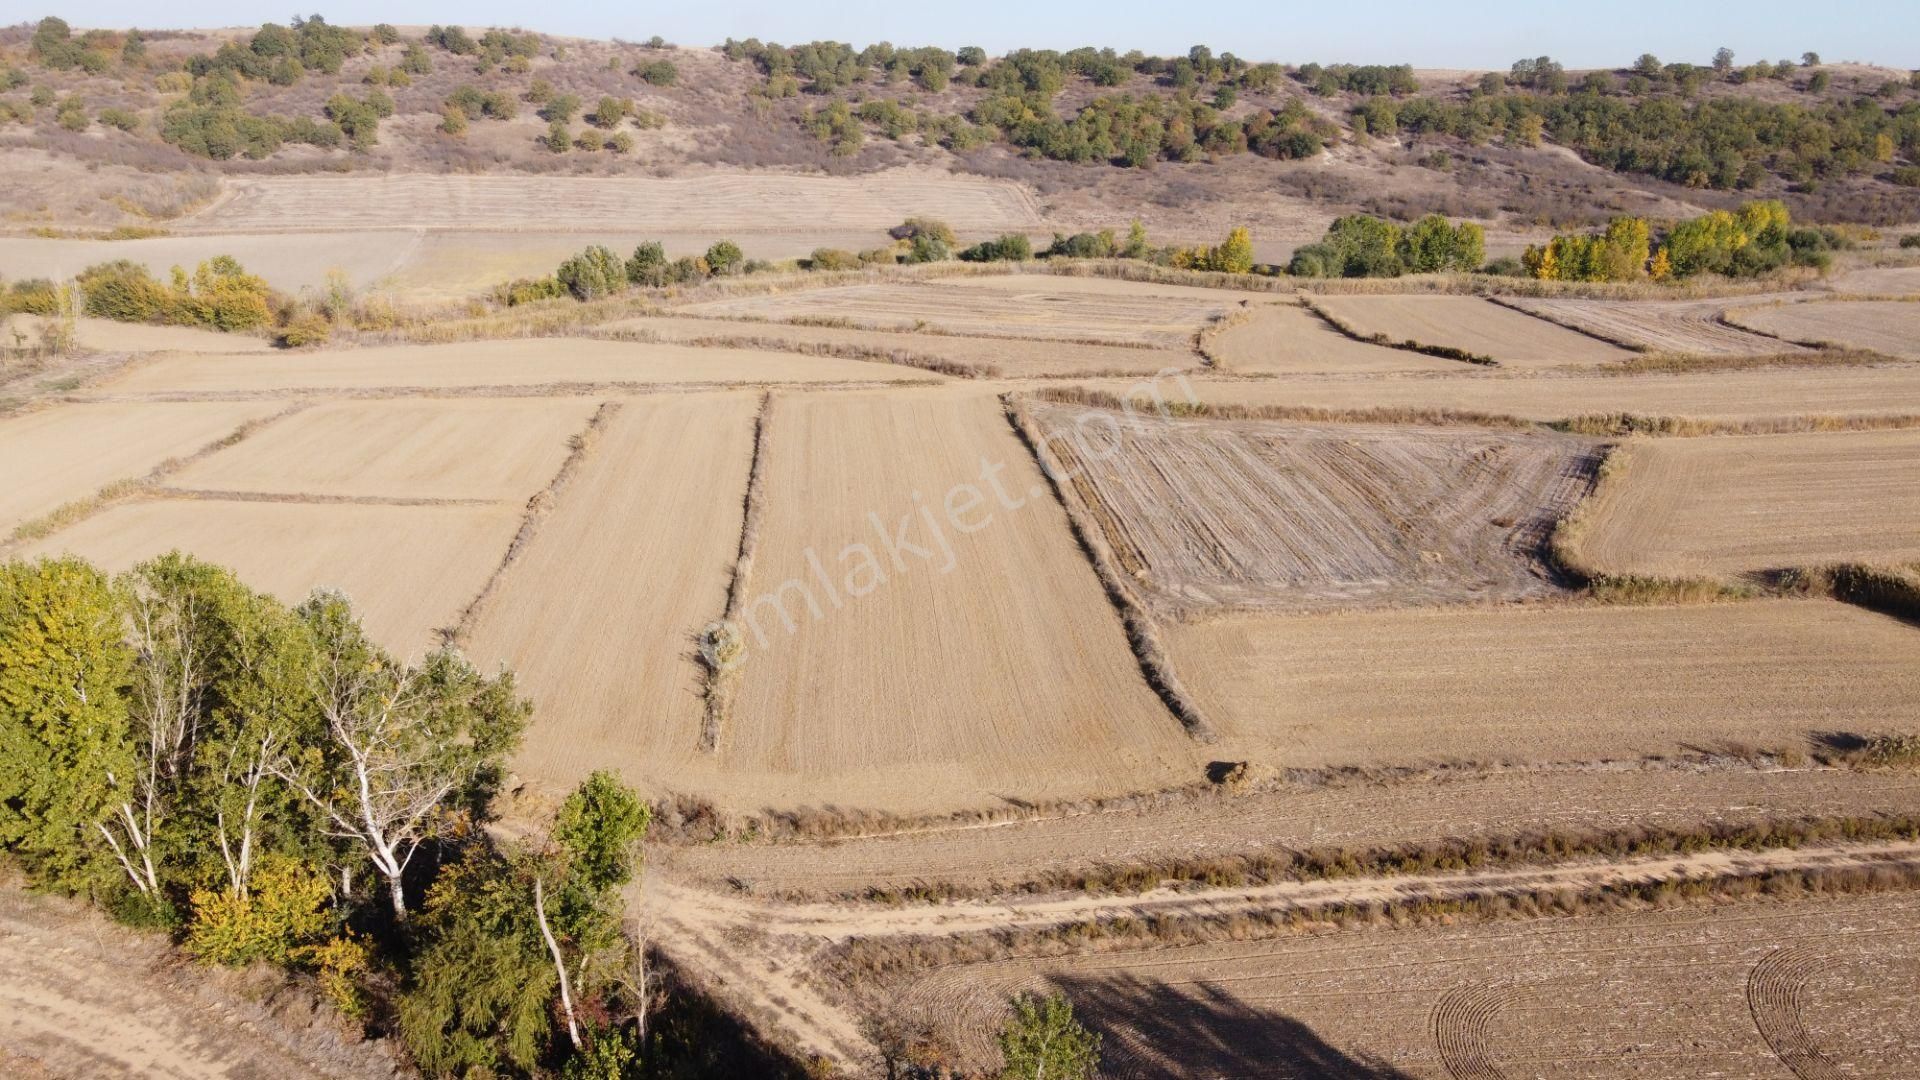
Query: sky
(1474, 34)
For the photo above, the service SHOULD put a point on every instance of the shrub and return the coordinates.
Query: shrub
(1618, 254)
(609, 112)
(220, 294)
(120, 118)
(528, 290)
(620, 143)
(725, 257)
(1043, 1041)
(926, 248)
(1098, 245)
(1358, 245)
(1911, 240)
(304, 329)
(658, 73)
(560, 108)
(1011, 247)
(594, 273)
(558, 139)
(648, 266)
(283, 909)
(919, 226)
(837, 259)
(453, 120)
(1905, 176)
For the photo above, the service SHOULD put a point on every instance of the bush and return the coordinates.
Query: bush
(725, 257)
(1907, 176)
(594, 273)
(837, 259)
(918, 226)
(121, 119)
(1043, 1041)
(284, 908)
(648, 266)
(1911, 240)
(1011, 247)
(1098, 245)
(220, 295)
(658, 73)
(558, 139)
(304, 329)
(1618, 254)
(926, 248)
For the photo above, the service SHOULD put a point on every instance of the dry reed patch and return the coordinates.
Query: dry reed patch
(988, 356)
(1666, 326)
(1885, 326)
(1286, 339)
(105, 335)
(484, 448)
(59, 455)
(1761, 395)
(1703, 987)
(1008, 673)
(1286, 516)
(289, 263)
(1486, 684)
(409, 569)
(535, 362)
(1726, 506)
(1473, 325)
(1094, 310)
(599, 614)
(740, 202)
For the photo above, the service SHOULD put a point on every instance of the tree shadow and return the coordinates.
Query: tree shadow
(1150, 1029)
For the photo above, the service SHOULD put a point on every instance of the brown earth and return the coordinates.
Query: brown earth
(1211, 515)
(1286, 339)
(1473, 324)
(1688, 507)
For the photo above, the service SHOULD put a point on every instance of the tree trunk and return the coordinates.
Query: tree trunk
(397, 891)
(559, 963)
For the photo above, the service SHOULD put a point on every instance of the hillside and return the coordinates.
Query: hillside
(1190, 144)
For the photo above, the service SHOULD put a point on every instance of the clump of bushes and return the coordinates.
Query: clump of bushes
(1361, 245)
(1757, 238)
(1011, 247)
(598, 272)
(219, 295)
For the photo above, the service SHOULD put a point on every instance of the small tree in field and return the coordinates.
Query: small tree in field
(1042, 1041)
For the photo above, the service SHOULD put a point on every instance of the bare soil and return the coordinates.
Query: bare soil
(1472, 324)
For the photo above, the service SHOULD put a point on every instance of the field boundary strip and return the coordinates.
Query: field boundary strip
(722, 679)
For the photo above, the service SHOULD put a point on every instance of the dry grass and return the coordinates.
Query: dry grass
(1222, 410)
(64, 463)
(1726, 507)
(1889, 327)
(1677, 363)
(1471, 328)
(720, 646)
(1381, 338)
(1490, 684)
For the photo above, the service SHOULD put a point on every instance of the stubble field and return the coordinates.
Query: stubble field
(1287, 339)
(1889, 327)
(1472, 324)
(1669, 326)
(1723, 506)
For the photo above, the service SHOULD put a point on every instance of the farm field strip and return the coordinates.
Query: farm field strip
(1021, 306)
(1287, 339)
(1686, 992)
(288, 263)
(725, 201)
(1687, 507)
(105, 335)
(1668, 326)
(1490, 684)
(1886, 326)
(408, 569)
(1262, 514)
(1005, 356)
(980, 634)
(484, 449)
(528, 364)
(1470, 323)
(56, 456)
(647, 527)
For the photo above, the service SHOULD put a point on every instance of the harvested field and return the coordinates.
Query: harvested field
(409, 569)
(1806, 987)
(1692, 507)
(1005, 356)
(524, 363)
(289, 263)
(1880, 281)
(1494, 684)
(1891, 327)
(1731, 396)
(63, 454)
(598, 615)
(1025, 306)
(1355, 813)
(732, 202)
(1006, 672)
(1471, 324)
(480, 449)
(1262, 515)
(1287, 339)
(1668, 326)
(104, 335)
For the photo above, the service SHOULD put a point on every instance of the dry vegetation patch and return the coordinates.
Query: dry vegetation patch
(979, 356)
(288, 263)
(1287, 339)
(1724, 506)
(103, 335)
(1255, 514)
(600, 614)
(1736, 991)
(742, 201)
(1484, 684)
(64, 454)
(410, 570)
(486, 449)
(1665, 326)
(1473, 325)
(1886, 326)
(527, 364)
(1006, 672)
(1095, 310)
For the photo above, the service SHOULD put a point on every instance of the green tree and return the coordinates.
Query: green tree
(725, 257)
(558, 140)
(1043, 1041)
(648, 266)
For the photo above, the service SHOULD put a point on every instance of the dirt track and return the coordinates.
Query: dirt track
(81, 998)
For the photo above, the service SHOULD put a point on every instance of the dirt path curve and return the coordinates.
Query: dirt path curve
(81, 997)
(757, 950)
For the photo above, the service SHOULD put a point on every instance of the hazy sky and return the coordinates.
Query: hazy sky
(1486, 33)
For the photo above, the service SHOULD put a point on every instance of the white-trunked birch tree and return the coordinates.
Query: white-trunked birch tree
(396, 753)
